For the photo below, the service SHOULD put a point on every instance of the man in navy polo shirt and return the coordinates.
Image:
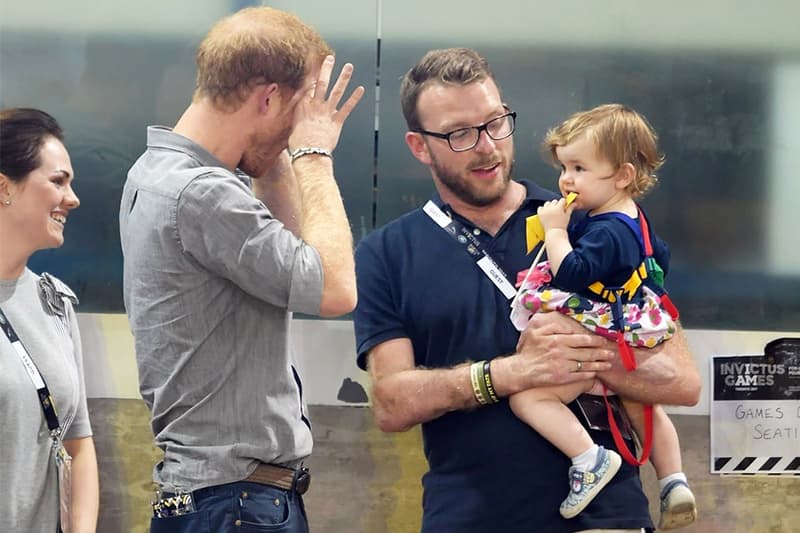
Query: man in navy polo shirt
(433, 331)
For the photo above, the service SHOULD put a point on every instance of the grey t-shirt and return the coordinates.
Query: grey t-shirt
(28, 479)
(210, 281)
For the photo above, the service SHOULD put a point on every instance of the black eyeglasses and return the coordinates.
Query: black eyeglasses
(464, 139)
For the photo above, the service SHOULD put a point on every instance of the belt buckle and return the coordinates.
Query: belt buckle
(302, 480)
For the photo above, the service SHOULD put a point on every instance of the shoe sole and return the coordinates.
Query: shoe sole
(613, 467)
(680, 514)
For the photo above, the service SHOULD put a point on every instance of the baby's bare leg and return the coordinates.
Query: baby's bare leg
(678, 505)
(545, 410)
(665, 455)
(593, 467)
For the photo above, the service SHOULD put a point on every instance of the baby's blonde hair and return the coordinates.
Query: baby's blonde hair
(620, 135)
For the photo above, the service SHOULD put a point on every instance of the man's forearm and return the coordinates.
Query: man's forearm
(666, 374)
(326, 228)
(405, 399)
(280, 193)
(547, 355)
(283, 200)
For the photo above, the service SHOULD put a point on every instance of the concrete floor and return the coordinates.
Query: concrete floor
(365, 481)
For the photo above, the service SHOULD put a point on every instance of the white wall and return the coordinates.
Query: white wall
(325, 351)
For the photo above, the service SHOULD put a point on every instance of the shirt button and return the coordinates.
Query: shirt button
(476, 231)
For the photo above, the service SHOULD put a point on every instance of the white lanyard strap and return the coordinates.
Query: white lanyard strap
(473, 247)
(45, 399)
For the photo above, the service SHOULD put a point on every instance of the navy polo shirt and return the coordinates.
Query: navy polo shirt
(489, 471)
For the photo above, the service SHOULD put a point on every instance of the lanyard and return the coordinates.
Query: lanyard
(45, 399)
(473, 247)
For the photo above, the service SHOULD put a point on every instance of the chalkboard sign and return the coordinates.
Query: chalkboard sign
(755, 411)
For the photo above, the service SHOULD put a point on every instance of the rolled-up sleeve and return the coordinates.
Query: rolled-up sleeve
(376, 317)
(222, 226)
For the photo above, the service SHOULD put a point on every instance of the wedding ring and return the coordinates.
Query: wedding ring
(580, 365)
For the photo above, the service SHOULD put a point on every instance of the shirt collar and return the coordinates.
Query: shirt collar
(164, 137)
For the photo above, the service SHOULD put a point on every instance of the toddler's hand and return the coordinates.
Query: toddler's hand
(555, 214)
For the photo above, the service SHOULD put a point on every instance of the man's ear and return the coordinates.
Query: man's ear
(625, 175)
(418, 147)
(268, 97)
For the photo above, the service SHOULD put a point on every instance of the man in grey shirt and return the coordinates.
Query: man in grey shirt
(230, 222)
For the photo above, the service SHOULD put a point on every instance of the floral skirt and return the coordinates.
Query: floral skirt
(648, 323)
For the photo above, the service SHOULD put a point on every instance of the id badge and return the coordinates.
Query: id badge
(594, 412)
(64, 467)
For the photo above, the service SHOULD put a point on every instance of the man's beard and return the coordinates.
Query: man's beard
(262, 153)
(470, 191)
(255, 163)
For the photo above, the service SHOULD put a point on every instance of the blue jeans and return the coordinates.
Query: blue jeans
(238, 507)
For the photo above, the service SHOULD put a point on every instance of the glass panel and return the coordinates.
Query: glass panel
(106, 77)
(349, 27)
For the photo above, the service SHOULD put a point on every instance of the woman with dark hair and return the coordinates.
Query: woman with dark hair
(48, 465)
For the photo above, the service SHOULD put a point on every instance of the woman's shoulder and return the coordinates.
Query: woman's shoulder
(56, 295)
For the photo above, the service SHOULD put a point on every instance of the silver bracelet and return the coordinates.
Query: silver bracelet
(300, 152)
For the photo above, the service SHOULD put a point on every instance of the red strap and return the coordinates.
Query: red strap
(625, 352)
(648, 247)
(629, 361)
(647, 445)
(669, 307)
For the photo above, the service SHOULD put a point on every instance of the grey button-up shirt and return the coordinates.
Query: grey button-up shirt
(210, 282)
